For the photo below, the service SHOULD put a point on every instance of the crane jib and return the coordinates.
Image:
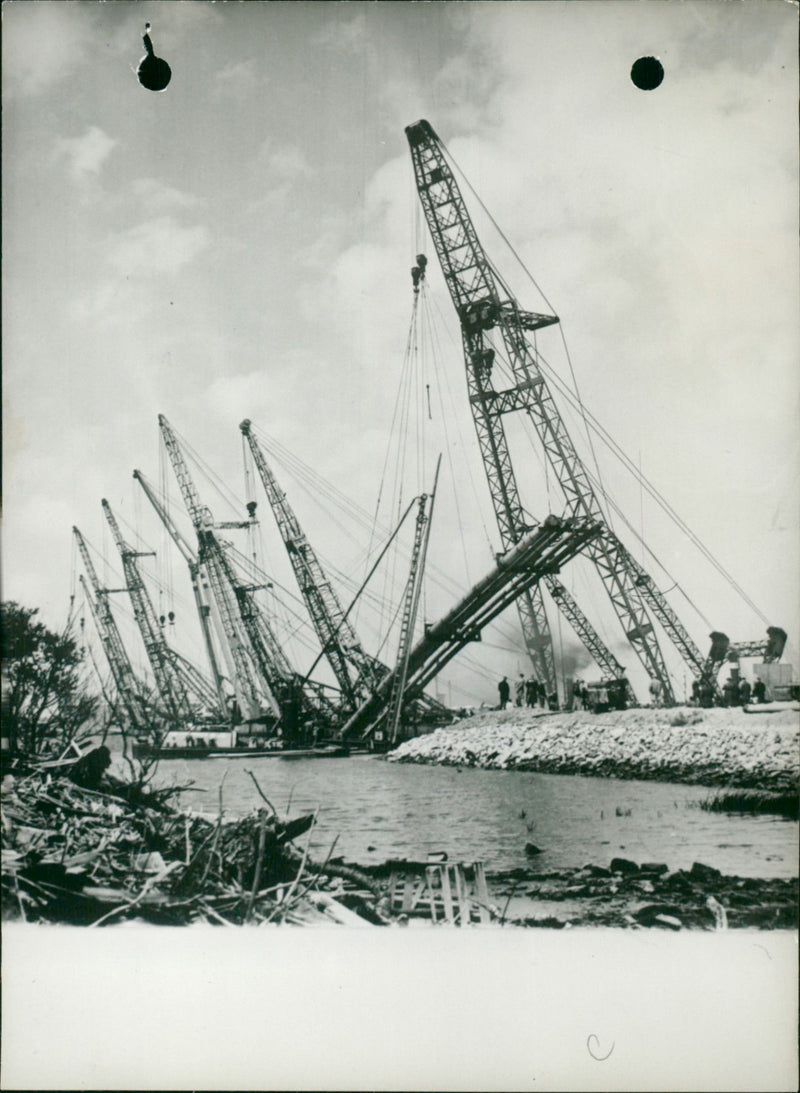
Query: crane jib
(485, 306)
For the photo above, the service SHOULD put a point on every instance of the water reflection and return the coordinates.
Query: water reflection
(377, 810)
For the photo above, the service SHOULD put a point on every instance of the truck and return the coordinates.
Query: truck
(607, 694)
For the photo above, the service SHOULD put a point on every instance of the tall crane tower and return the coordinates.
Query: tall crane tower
(174, 681)
(258, 656)
(200, 590)
(419, 550)
(484, 304)
(255, 697)
(295, 695)
(128, 687)
(356, 672)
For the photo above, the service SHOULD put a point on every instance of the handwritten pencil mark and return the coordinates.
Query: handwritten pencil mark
(591, 1049)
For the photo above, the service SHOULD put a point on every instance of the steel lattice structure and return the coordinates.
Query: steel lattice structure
(356, 672)
(291, 691)
(397, 694)
(253, 692)
(200, 586)
(483, 304)
(543, 550)
(128, 687)
(173, 679)
(262, 669)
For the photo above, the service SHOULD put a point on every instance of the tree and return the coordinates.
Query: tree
(46, 704)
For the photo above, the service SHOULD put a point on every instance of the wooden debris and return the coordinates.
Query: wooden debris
(451, 893)
(107, 851)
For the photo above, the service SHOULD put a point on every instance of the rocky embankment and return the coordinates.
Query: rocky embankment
(627, 894)
(730, 747)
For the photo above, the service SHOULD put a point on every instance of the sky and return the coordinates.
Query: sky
(240, 244)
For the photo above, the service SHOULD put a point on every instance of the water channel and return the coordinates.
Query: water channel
(378, 810)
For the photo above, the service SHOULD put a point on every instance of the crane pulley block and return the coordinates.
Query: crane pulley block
(480, 314)
(720, 643)
(776, 643)
(420, 132)
(532, 320)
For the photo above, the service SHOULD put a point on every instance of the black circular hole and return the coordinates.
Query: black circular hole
(154, 73)
(647, 73)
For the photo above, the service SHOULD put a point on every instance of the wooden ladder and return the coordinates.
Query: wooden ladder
(451, 893)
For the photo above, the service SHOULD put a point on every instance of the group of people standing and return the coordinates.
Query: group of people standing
(530, 692)
(735, 692)
(527, 692)
(580, 696)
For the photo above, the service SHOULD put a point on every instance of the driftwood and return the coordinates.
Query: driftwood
(80, 847)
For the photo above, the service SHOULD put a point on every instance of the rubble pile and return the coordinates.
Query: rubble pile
(629, 894)
(71, 854)
(684, 744)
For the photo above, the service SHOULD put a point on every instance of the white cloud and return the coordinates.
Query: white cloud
(237, 79)
(160, 246)
(137, 260)
(289, 162)
(86, 155)
(162, 198)
(43, 44)
(346, 31)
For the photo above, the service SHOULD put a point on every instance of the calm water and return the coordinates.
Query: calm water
(383, 810)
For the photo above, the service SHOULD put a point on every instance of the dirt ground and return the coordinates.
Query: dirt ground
(644, 897)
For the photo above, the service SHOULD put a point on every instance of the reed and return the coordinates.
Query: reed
(755, 802)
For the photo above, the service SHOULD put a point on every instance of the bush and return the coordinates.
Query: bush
(45, 701)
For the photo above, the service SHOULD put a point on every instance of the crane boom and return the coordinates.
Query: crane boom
(658, 604)
(609, 666)
(200, 589)
(261, 665)
(199, 513)
(413, 587)
(292, 694)
(336, 635)
(253, 693)
(166, 667)
(199, 686)
(484, 303)
(544, 550)
(118, 660)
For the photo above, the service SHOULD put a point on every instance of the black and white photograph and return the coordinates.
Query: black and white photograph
(401, 528)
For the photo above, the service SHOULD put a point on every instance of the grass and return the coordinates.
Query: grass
(756, 802)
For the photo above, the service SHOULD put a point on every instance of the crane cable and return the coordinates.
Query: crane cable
(316, 486)
(661, 501)
(366, 580)
(675, 583)
(439, 373)
(589, 419)
(395, 428)
(513, 250)
(403, 402)
(306, 476)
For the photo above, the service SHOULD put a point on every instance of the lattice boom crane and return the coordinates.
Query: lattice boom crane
(127, 685)
(336, 635)
(253, 693)
(419, 549)
(167, 668)
(200, 588)
(483, 304)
